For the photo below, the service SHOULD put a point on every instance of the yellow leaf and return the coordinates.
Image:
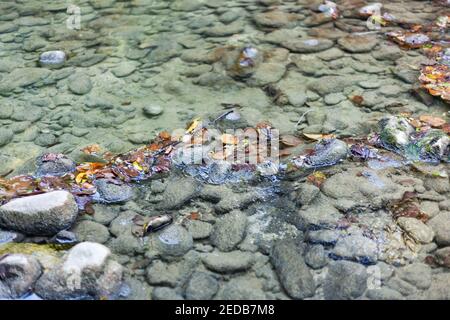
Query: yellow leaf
(80, 177)
(137, 166)
(193, 125)
(319, 136)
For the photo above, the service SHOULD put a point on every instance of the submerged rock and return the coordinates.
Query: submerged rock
(345, 280)
(18, 273)
(326, 153)
(173, 241)
(43, 214)
(415, 228)
(229, 230)
(54, 165)
(86, 272)
(52, 59)
(290, 266)
(433, 146)
(201, 286)
(112, 193)
(395, 133)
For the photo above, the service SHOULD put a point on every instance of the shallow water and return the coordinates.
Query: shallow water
(135, 68)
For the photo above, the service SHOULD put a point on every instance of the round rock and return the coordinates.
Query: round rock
(174, 241)
(43, 214)
(52, 59)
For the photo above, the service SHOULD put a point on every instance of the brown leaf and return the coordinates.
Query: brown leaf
(433, 121)
(290, 141)
(91, 149)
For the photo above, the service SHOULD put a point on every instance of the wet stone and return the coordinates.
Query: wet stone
(199, 229)
(224, 262)
(80, 84)
(173, 241)
(153, 110)
(345, 280)
(316, 257)
(358, 248)
(358, 44)
(229, 230)
(201, 286)
(417, 274)
(52, 59)
(112, 193)
(91, 231)
(6, 136)
(292, 271)
(308, 45)
(416, 229)
(441, 227)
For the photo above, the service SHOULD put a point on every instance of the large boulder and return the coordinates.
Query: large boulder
(85, 272)
(44, 214)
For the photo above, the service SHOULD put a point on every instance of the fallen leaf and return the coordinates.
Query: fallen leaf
(290, 141)
(319, 136)
(317, 178)
(357, 100)
(91, 149)
(433, 121)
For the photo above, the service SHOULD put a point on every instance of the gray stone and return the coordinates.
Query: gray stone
(292, 271)
(112, 193)
(415, 228)
(45, 140)
(229, 230)
(126, 244)
(52, 59)
(417, 274)
(6, 136)
(358, 248)
(345, 280)
(308, 45)
(9, 236)
(199, 229)
(124, 69)
(383, 294)
(163, 293)
(201, 286)
(358, 43)
(268, 73)
(178, 193)
(241, 288)
(441, 227)
(306, 193)
(91, 231)
(87, 271)
(316, 257)
(18, 273)
(174, 274)
(173, 241)
(334, 98)
(405, 288)
(22, 77)
(43, 214)
(153, 110)
(54, 167)
(80, 84)
(224, 262)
